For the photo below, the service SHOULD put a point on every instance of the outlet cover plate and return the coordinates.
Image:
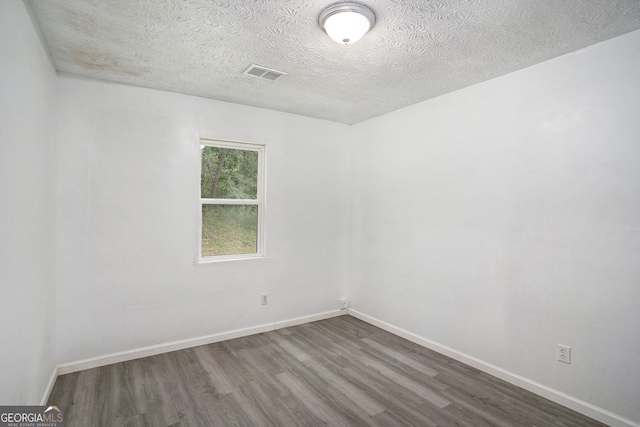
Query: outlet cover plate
(564, 353)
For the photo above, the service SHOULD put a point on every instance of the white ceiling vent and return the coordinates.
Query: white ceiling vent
(263, 72)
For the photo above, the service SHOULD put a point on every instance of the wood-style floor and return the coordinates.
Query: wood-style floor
(336, 372)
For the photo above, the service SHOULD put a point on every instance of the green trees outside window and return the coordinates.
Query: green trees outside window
(231, 196)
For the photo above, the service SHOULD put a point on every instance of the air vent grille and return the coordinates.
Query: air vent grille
(263, 72)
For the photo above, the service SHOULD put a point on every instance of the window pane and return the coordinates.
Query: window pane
(227, 173)
(229, 229)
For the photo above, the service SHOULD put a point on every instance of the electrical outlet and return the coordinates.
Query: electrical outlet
(263, 299)
(564, 353)
(344, 303)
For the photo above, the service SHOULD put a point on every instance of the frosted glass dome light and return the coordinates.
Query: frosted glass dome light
(346, 23)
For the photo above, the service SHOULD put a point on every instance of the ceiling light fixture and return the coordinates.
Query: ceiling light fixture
(346, 23)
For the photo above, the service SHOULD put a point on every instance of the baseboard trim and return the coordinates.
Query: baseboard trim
(137, 353)
(556, 396)
(47, 390)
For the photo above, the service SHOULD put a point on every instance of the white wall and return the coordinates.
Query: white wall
(128, 179)
(27, 209)
(504, 219)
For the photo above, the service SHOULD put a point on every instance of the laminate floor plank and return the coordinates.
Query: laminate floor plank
(401, 369)
(120, 404)
(389, 383)
(88, 399)
(299, 412)
(421, 354)
(553, 413)
(63, 392)
(343, 336)
(311, 401)
(266, 406)
(265, 360)
(190, 389)
(220, 381)
(355, 395)
(401, 419)
(504, 405)
(382, 389)
(484, 408)
(400, 357)
(234, 370)
(311, 339)
(338, 372)
(266, 378)
(457, 415)
(157, 390)
(339, 400)
(406, 382)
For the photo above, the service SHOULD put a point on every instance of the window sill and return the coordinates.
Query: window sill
(225, 258)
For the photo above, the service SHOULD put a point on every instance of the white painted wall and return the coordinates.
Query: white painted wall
(128, 179)
(27, 209)
(504, 219)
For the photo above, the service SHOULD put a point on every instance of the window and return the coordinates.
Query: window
(231, 200)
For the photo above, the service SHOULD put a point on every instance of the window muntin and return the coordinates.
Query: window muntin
(232, 200)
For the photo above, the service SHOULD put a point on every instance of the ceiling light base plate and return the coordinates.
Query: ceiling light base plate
(347, 22)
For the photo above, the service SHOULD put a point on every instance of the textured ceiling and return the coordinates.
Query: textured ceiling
(418, 49)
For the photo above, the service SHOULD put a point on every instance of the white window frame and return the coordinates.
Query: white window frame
(259, 201)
